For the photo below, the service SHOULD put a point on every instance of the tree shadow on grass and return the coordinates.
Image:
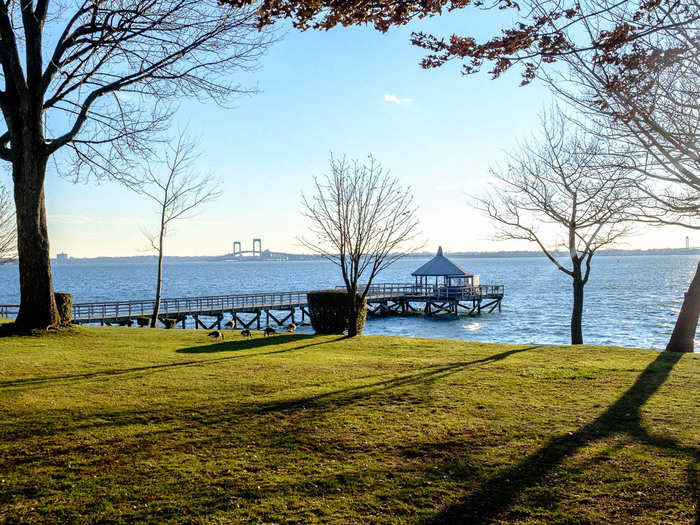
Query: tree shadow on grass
(346, 396)
(498, 493)
(250, 343)
(314, 404)
(236, 346)
(9, 329)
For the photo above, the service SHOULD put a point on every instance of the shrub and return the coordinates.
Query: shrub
(64, 303)
(328, 310)
(169, 323)
(143, 321)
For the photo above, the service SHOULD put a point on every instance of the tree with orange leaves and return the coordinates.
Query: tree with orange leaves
(547, 30)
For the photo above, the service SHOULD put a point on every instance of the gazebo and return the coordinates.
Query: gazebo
(452, 275)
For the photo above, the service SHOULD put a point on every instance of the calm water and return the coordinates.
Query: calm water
(630, 301)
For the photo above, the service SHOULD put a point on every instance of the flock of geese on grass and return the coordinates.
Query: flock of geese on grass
(219, 334)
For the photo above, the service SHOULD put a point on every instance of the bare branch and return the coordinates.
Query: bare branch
(171, 182)
(646, 106)
(360, 218)
(563, 184)
(112, 70)
(177, 192)
(8, 229)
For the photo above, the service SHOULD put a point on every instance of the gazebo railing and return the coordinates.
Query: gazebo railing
(377, 290)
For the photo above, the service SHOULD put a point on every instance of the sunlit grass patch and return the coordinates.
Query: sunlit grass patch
(561, 372)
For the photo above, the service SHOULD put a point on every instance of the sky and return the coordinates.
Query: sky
(348, 91)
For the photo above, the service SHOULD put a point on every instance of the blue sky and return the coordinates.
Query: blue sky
(349, 91)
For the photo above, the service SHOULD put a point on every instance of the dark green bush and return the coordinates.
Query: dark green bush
(143, 321)
(64, 303)
(169, 323)
(329, 311)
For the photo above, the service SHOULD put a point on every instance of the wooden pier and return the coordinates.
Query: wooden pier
(280, 308)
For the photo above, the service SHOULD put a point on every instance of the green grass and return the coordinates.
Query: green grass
(132, 425)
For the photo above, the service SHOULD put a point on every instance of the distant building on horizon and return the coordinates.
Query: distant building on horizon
(687, 242)
(62, 258)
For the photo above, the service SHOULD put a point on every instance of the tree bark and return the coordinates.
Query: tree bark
(353, 312)
(683, 336)
(577, 311)
(159, 280)
(352, 320)
(37, 302)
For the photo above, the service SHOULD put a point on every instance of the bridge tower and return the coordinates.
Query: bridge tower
(257, 253)
(237, 252)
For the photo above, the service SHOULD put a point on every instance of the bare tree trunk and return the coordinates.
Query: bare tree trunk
(159, 279)
(577, 311)
(683, 336)
(353, 314)
(37, 302)
(352, 308)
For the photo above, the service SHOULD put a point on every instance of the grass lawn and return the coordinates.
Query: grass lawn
(130, 425)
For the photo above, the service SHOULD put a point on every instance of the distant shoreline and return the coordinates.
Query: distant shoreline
(292, 257)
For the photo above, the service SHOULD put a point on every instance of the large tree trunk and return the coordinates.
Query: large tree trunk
(37, 303)
(577, 311)
(683, 336)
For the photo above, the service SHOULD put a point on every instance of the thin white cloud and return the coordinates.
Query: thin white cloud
(82, 219)
(125, 220)
(454, 187)
(206, 222)
(70, 219)
(396, 100)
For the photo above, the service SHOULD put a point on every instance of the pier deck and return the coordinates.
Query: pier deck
(382, 298)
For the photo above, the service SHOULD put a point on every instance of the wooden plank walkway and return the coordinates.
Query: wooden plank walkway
(256, 303)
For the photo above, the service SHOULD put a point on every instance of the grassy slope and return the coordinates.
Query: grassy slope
(134, 424)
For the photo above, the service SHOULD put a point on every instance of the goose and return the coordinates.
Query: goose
(216, 334)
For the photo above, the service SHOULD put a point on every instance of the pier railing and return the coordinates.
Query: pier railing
(111, 310)
(212, 303)
(9, 310)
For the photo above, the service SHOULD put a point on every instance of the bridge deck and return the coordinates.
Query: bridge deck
(115, 311)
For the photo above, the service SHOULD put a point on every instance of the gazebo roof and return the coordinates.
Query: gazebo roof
(442, 266)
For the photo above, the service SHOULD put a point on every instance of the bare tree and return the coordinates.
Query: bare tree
(177, 191)
(561, 185)
(359, 218)
(93, 79)
(8, 231)
(648, 106)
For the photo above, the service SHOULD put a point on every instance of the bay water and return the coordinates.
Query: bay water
(630, 300)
